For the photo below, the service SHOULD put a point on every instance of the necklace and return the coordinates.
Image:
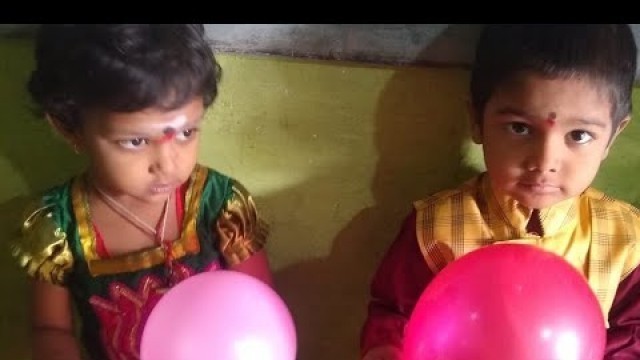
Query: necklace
(136, 221)
(133, 218)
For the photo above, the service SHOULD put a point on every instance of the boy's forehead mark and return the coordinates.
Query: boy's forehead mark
(551, 119)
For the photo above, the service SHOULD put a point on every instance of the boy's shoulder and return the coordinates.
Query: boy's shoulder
(601, 201)
(465, 191)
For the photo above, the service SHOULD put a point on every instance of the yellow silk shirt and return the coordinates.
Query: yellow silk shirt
(598, 235)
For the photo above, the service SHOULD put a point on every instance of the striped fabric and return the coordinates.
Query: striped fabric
(593, 232)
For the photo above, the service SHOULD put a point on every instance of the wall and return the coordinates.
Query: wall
(416, 44)
(334, 152)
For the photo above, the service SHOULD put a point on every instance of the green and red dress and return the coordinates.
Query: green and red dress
(114, 295)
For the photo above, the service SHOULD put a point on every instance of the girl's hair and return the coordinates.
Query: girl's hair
(603, 53)
(121, 68)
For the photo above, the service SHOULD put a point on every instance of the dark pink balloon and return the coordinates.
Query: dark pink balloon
(507, 302)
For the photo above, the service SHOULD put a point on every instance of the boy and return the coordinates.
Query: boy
(547, 102)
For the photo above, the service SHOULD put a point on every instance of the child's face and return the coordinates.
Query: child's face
(544, 139)
(144, 154)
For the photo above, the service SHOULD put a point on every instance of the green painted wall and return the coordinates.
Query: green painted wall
(334, 152)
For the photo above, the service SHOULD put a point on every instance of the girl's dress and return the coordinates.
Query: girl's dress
(115, 295)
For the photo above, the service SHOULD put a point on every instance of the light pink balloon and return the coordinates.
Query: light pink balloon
(221, 315)
(505, 302)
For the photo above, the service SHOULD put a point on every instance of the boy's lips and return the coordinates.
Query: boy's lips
(539, 187)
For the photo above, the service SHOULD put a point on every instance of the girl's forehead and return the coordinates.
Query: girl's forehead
(162, 124)
(152, 121)
(147, 124)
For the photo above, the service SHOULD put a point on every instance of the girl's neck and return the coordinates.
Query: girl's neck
(133, 203)
(121, 235)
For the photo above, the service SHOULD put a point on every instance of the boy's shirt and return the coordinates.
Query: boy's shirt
(595, 233)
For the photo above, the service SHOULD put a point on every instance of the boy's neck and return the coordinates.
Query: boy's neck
(534, 225)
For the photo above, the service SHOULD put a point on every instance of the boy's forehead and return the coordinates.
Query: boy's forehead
(556, 99)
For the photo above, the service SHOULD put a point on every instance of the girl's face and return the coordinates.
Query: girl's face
(144, 155)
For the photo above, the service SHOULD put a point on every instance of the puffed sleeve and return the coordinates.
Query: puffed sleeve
(242, 232)
(41, 247)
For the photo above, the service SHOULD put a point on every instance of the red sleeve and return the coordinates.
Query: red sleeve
(623, 335)
(396, 286)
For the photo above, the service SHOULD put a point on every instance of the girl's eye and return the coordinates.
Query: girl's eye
(580, 136)
(519, 128)
(133, 144)
(186, 134)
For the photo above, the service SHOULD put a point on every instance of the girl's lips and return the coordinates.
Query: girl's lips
(162, 188)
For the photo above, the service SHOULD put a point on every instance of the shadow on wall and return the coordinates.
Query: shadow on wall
(420, 131)
(31, 159)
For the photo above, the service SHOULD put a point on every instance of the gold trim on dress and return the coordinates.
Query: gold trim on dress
(242, 232)
(43, 250)
(187, 243)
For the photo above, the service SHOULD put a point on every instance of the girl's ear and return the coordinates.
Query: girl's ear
(69, 137)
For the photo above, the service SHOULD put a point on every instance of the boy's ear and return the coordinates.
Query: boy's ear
(621, 126)
(475, 123)
(69, 137)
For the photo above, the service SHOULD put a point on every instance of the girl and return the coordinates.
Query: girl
(144, 215)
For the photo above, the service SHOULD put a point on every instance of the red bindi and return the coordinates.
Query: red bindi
(551, 119)
(169, 133)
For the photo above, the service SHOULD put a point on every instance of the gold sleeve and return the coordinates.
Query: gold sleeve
(242, 232)
(42, 249)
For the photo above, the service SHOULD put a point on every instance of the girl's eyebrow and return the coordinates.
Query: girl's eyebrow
(155, 130)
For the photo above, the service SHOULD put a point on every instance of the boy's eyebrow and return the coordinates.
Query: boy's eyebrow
(518, 112)
(590, 122)
(508, 110)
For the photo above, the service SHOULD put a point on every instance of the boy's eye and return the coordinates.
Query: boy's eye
(135, 144)
(519, 128)
(580, 136)
(186, 134)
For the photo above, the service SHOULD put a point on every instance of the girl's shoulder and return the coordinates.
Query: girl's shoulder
(219, 192)
(41, 242)
(231, 209)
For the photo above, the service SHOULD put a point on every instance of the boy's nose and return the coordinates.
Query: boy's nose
(544, 157)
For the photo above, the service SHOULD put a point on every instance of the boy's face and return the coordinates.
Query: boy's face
(544, 139)
(144, 154)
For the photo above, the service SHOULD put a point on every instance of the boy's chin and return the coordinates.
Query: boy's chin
(540, 201)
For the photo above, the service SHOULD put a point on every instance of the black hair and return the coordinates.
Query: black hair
(603, 53)
(121, 68)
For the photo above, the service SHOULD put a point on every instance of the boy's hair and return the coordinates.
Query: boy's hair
(603, 53)
(120, 67)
